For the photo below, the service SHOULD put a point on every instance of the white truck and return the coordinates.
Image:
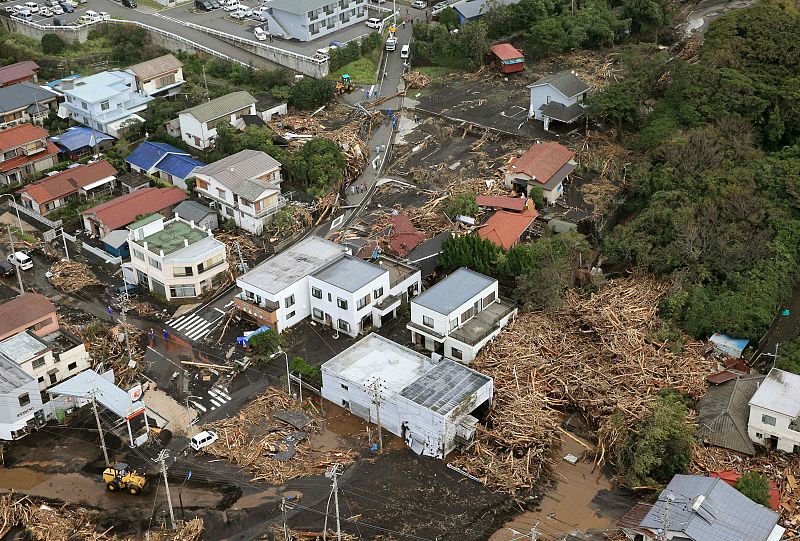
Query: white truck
(391, 44)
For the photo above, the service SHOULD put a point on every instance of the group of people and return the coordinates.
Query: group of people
(358, 188)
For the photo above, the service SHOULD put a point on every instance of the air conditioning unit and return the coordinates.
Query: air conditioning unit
(212, 204)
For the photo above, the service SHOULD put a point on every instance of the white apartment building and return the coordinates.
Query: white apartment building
(20, 401)
(50, 359)
(319, 278)
(198, 124)
(245, 187)
(774, 412)
(175, 259)
(106, 101)
(459, 315)
(308, 20)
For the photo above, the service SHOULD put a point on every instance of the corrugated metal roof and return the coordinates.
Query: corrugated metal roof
(506, 51)
(89, 383)
(445, 387)
(12, 377)
(218, 107)
(452, 292)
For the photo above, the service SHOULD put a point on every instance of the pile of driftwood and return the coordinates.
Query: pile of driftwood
(597, 355)
(191, 530)
(416, 79)
(606, 161)
(71, 276)
(249, 247)
(251, 439)
(300, 219)
(300, 535)
(597, 68)
(354, 148)
(106, 344)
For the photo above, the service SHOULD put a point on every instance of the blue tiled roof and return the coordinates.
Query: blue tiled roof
(80, 137)
(165, 157)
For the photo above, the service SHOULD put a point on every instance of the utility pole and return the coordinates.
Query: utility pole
(374, 387)
(283, 512)
(670, 499)
(16, 265)
(333, 474)
(534, 532)
(64, 238)
(100, 430)
(162, 459)
(124, 305)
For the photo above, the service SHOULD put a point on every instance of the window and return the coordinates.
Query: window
(365, 301)
(316, 292)
(288, 301)
(317, 313)
(378, 293)
(341, 303)
(104, 105)
(427, 321)
(182, 290)
(83, 104)
(182, 271)
(221, 193)
(38, 363)
(24, 399)
(290, 315)
(137, 254)
(453, 323)
(759, 435)
(72, 366)
(53, 379)
(210, 263)
(488, 299)
(456, 353)
(345, 404)
(41, 379)
(330, 299)
(154, 262)
(467, 315)
(344, 386)
(768, 420)
(343, 325)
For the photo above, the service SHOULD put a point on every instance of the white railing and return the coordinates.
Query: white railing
(102, 254)
(36, 216)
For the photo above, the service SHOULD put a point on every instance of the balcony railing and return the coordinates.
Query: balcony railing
(269, 306)
(272, 209)
(425, 330)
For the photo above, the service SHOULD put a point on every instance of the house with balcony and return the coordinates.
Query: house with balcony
(775, 412)
(558, 97)
(321, 279)
(49, 359)
(162, 76)
(175, 259)
(307, 20)
(80, 183)
(459, 315)
(197, 125)
(107, 101)
(24, 152)
(25, 103)
(245, 187)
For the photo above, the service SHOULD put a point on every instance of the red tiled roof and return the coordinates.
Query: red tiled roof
(123, 210)
(731, 476)
(497, 202)
(505, 51)
(19, 161)
(15, 72)
(19, 135)
(635, 515)
(542, 161)
(505, 228)
(23, 310)
(68, 182)
(405, 236)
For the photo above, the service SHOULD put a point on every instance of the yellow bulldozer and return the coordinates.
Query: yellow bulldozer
(346, 84)
(120, 477)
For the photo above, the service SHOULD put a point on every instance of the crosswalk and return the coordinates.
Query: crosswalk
(215, 398)
(191, 326)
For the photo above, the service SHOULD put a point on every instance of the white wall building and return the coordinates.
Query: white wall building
(49, 360)
(430, 405)
(20, 401)
(175, 259)
(308, 20)
(245, 187)
(459, 315)
(557, 97)
(774, 412)
(198, 124)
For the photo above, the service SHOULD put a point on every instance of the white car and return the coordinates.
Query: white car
(33, 7)
(230, 5)
(242, 13)
(57, 10)
(260, 14)
(405, 51)
(203, 439)
(104, 16)
(44, 11)
(419, 4)
(15, 9)
(374, 23)
(261, 35)
(21, 260)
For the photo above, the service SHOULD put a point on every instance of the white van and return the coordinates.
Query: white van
(260, 34)
(18, 258)
(391, 44)
(33, 7)
(24, 14)
(405, 51)
(260, 13)
(203, 439)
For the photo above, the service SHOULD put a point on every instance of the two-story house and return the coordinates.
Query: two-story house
(21, 408)
(557, 97)
(164, 161)
(176, 259)
(83, 182)
(198, 124)
(50, 359)
(459, 315)
(25, 103)
(24, 152)
(123, 210)
(245, 187)
(543, 165)
(319, 278)
(107, 101)
(162, 76)
(307, 20)
(775, 412)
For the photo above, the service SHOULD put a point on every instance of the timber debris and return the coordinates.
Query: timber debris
(72, 276)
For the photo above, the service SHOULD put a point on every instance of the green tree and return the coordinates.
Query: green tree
(371, 42)
(310, 373)
(469, 251)
(647, 15)
(265, 343)
(789, 357)
(230, 141)
(618, 102)
(317, 167)
(546, 36)
(536, 194)
(464, 204)
(311, 93)
(53, 44)
(448, 18)
(755, 486)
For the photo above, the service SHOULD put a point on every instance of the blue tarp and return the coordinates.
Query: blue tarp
(245, 340)
(79, 137)
(178, 165)
(164, 157)
(727, 345)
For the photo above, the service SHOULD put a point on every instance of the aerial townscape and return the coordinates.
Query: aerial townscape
(399, 270)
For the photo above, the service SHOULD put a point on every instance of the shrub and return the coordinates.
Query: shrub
(755, 486)
(53, 44)
(311, 93)
(265, 343)
(463, 204)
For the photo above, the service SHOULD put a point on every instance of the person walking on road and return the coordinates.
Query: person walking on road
(152, 336)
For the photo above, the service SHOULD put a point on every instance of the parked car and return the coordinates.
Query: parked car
(131, 289)
(25, 15)
(20, 259)
(57, 10)
(51, 3)
(104, 16)
(16, 9)
(215, 4)
(260, 14)
(205, 5)
(261, 35)
(203, 439)
(7, 269)
(229, 5)
(419, 4)
(44, 11)
(336, 43)
(242, 13)
(129, 4)
(73, 3)
(85, 19)
(33, 7)
(391, 44)
(374, 23)
(59, 22)
(405, 51)
(67, 7)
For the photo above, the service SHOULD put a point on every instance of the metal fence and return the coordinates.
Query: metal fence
(35, 215)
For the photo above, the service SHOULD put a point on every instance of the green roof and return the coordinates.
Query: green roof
(172, 237)
(224, 105)
(144, 221)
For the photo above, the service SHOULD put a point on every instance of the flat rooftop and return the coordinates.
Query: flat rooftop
(295, 263)
(349, 273)
(172, 238)
(455, 290)
(779, 392)
(482, 325)
(445, 387)
(22, 347)
(12, 377)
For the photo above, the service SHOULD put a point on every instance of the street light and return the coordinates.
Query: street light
(19, 220)
(288, 381)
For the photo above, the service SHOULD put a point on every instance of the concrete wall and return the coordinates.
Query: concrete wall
(787, 438)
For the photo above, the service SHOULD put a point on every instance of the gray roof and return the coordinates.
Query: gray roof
(218, 107)
(565, 82)
(562, 113)
(426, 255)
(445, 386)
(116, 238)
(155, 67)
(22, 95)
(780, 393)
(22, 347)
(12, 377)
(452, 292)
(724, 515)
(349, 273)
(724, 413)
(238, 171)
(189, 254)
(192, 211)
(472, 9)
(298, 6)
(295, 263)
(88, 383)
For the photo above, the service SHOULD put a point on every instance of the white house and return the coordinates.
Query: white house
(459, 315)
(20, 401)
(319, 278)
(774, 411)
(198, 124)
(557, 97)
(432, 405)
(308, 20)
(175, 259)
(49, 360)
(245, 187)
(107, 101)
(162, 76)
